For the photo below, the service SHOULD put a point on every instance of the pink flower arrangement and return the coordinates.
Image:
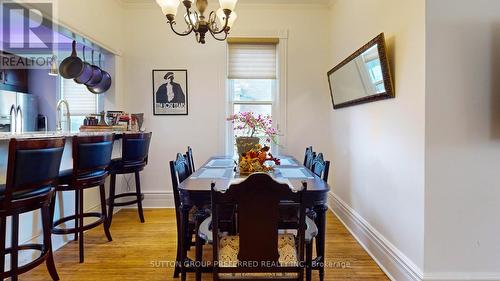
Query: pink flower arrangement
(255, 125)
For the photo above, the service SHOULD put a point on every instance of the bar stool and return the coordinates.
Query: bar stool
(91, 158)
(32, 171)
(135, 148)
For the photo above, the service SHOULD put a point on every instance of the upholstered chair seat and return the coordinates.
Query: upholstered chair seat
(25, 193)
(65, 176)
(229, 248)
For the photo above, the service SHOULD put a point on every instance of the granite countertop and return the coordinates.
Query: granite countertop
(51, 134)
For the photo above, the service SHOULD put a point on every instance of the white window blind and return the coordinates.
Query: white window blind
(81, 101)
(252, 61)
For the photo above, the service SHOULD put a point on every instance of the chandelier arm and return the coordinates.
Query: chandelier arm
(189, 12)
(212, 21)
(179, 33)
(215, 37)
(222, 30)
(187, 21)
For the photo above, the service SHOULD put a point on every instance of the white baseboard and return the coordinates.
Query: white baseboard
(392, 261)
(462, 276)
(154, 200)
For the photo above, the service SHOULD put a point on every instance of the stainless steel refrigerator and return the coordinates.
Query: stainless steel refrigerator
(18, 112)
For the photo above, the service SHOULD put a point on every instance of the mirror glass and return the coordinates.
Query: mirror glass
(362, 77)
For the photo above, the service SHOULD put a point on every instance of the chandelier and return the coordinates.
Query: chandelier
(219, 22)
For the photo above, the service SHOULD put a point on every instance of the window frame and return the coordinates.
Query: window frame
(98, 109)
(279, 103)
(233, 102)
(99, 100)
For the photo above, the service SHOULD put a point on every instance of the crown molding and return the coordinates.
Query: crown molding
(249, 3)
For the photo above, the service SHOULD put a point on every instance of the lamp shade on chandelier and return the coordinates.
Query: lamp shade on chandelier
(218, 23)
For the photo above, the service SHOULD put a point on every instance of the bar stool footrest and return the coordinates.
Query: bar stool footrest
(32, 264)
(127, 203)
(72, 230)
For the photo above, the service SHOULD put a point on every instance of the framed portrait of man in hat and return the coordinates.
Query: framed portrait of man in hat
(170, 92)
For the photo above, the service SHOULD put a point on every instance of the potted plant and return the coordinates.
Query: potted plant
(253, 127)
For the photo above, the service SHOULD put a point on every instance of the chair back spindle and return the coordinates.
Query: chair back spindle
(320, 167)
(190, 159)
(309, 157)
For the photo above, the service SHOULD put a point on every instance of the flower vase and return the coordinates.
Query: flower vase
(245, 144)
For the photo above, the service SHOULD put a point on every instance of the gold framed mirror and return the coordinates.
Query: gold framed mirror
(363, 77)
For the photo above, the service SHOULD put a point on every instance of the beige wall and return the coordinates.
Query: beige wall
(100, 21)
(377, 148)
(462, 228)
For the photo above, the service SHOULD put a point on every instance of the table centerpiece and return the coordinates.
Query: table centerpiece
(252, 128)
(254, 160)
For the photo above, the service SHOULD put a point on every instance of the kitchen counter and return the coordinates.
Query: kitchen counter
(52, 134)
(65, 201)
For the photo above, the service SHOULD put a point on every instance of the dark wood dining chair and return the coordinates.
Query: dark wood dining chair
(32, 171)
(190, 159)
(309, 157)
(320, 167)
(135, 151)
(91, 159)
(258, 251)
(184, 215)
(205, 235)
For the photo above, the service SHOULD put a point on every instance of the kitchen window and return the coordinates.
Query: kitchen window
(81, 102)
(253, 80)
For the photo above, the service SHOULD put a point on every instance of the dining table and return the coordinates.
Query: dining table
(222, 171)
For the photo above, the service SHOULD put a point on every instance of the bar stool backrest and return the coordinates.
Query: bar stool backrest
(91, 153)
(135, 147)
(32, 164)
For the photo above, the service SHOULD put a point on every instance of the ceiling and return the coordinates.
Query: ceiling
(280, 2)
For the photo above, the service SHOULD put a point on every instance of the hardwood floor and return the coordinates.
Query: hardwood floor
(144, 251)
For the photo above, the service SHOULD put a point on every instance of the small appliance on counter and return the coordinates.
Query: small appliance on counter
(43, 123)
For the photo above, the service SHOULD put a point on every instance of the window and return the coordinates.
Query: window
(374, 70)
(81, 102)
(252, 80)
